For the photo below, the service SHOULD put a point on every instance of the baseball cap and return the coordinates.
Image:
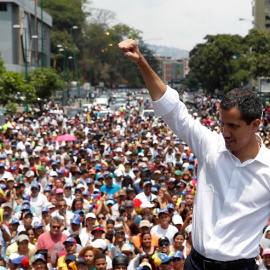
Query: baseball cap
(128, 248)
(109, 202)
(25, 207)
(178, 254)
(39, 257)
(99, 243)
(27, 214)
(163, 211)
(146, 183)
(22, 237)
(161, 258)
(144, 223)
(59, 191)
(14, 221)
(178, 172)
(37, 225)
(76, 220)
(47, 189)
(53, 173)
(118, 228)
(90, 215)
(266, 251)
(144, 266)
(35, 185)
(21, 260)
(177, 219)
(170, 206)
(129, 204)
(122, 192)
(147, 204)
(70, 240)
(89, 181)
(80, 260)
(188, 229)
(7, 204)
(97, 228)
(118, 173)
(71, 257)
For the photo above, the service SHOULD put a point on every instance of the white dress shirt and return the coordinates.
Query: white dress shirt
(232, 198)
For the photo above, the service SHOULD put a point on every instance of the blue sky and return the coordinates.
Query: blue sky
(181, 23)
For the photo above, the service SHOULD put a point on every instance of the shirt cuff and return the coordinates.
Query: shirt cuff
(166, 103)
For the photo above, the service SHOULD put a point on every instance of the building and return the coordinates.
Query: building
(172, 71)
(261, 13)
(22, 43)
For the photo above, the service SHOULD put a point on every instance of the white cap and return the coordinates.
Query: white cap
(53, 173)
(118, 149)
(147, 204)
(99, 243)
(90, 215)
(177, 219)
(118, 173)
(188, 229)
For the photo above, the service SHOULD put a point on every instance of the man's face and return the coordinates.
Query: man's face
(109, 181)
(237, 134)
(70, 248)
(7, 211)
(189, 200)
(101, 264)
(164, 247)
(34, 191)
(55, 228)
(62, 206)
(166, 266)
(266, 260)
(82, 266)
(164, 220)
(120, 267)
(75, 227)
(147, 189)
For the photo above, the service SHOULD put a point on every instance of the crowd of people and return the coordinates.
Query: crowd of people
(119, 195)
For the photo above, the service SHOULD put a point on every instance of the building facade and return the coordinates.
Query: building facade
(23, 44)
(261, 13)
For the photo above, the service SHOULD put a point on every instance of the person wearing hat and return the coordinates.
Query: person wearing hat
(120, 239)
(164, 228)
(23, 247)
(97, 232)
(30, 175)
(27, 218)
(163, 262)
(178, 260)
(7, 212)
(37, 199)
(39, 262)
(81, 264)
(120, 262)
(146, 195)
(86, 232)
(119, 198)
(118, 177)
(265, 262)
(13, 228)
(20, 262)
(109, 187)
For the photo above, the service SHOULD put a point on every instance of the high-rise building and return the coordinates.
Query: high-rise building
(261, 13)
(25, 35)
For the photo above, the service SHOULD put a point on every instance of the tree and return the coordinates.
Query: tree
(258, 53)
(13, 87)
(2, 65)
(45, 82)
(220, 63)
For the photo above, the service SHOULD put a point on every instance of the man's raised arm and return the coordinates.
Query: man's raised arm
(154, 84)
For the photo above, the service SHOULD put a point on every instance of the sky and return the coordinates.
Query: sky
(181, 23)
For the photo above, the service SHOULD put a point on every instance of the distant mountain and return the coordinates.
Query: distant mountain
(168, 51)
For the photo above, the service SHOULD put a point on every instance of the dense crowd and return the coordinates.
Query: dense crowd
(112, 193)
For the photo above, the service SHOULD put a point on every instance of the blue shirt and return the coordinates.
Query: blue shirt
(110, 190)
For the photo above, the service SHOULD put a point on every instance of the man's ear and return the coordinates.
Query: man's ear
(255, 124)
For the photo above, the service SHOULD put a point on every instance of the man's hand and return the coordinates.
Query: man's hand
(131, 50)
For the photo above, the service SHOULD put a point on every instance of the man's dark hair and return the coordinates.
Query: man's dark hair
(99, 256)
(246, 101)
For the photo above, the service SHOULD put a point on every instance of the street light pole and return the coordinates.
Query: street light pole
(246, 20)
(75, 65)
(42, 35)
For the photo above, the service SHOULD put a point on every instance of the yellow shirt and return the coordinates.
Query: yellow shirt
(13, 248)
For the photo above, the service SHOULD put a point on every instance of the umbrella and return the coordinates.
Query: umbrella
(66, 138)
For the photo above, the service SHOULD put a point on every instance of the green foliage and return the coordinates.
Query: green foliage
(219, 63)
(45, 82)
(13, 85)
(2, 65)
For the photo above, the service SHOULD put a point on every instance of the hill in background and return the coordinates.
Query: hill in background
(168, 51)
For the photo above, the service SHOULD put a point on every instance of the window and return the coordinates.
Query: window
(3, 7)
(267, 2)
(267, 17)
(267, 25)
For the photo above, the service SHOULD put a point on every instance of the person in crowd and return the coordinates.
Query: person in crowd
(89, 253)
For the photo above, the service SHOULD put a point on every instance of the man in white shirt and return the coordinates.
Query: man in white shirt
(232, 200)
(146, 195)
(164, 229)
(37, 199)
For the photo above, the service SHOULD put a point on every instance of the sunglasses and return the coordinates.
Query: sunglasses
(100, 218)
(176, 259)
(56, 227)
(164, 244)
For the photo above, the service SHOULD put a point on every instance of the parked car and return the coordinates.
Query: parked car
(74, 112)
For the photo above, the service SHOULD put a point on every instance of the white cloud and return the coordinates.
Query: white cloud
(181, 23)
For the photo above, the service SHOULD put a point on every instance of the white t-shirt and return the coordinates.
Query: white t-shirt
(38, 202)
(169, 232)
(143, 198)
